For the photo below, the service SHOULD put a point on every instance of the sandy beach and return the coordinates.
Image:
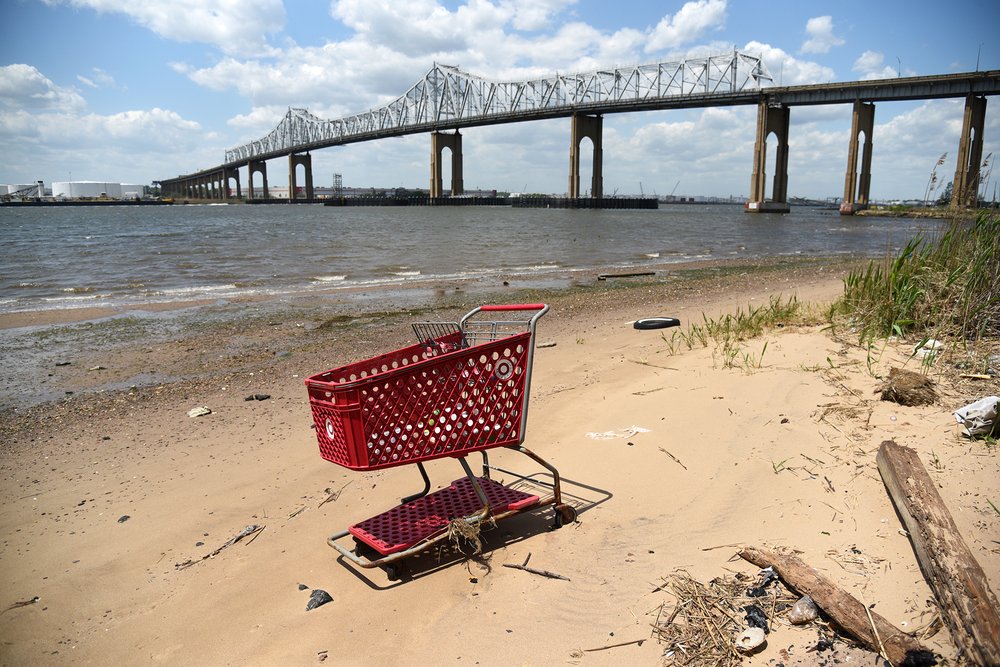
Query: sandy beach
(671, 459)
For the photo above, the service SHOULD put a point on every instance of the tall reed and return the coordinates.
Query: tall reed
(942, 287)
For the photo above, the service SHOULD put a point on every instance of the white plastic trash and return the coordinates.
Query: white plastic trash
(979, 418)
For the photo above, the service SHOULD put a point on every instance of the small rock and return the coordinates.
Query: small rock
(257, 397)
(318, 598)
(749, 640)
(548, 344)
(199, 544)
(803, 611)
(199, 411)
(97, 368)
(302, 587)
(784, 420)
(123, 518)
(63, 363)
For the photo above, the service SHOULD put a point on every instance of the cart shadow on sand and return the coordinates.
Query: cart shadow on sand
(497, 537)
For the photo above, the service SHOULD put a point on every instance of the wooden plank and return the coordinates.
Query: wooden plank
(968, 605)
(843, 608)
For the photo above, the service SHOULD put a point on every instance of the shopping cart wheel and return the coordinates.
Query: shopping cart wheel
(395, 571)
(565, 514)
(364, 551)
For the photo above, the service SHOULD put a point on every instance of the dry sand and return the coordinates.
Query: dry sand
(780, 455)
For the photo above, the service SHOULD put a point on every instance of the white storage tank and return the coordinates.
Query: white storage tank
(87, 189)
(133, 191)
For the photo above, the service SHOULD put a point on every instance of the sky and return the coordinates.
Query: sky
(140, 90)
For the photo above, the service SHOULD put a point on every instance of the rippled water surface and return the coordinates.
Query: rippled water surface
(98, 256)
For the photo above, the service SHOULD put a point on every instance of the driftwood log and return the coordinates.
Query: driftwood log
(968, 606)
(844, 609)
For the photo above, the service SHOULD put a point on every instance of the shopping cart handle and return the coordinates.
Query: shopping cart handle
(514, 306)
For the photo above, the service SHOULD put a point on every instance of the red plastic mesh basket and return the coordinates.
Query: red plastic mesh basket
(422, 402)
(405, 525)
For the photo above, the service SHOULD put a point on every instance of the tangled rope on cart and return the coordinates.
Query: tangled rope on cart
(461, 529)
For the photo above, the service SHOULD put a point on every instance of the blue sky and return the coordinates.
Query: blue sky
(140, 90)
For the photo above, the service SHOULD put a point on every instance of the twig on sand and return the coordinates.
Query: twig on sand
(541, 573)
(332, 496)
(677, 460)
(252, 529)
(21, 603)
(605, 648)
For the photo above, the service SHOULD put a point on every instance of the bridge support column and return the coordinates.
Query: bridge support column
(231, 172)
(857, 187)
(257, 167)
(294, 160)
(770, 119)
(592, 128)
(440, 141)
(965, 189)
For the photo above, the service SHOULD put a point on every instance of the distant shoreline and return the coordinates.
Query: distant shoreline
(86, 202)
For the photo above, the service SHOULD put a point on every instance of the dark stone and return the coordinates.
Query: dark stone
(63, 363)
(123, 518)
(756, 618)
(318, 598)
(302, 587)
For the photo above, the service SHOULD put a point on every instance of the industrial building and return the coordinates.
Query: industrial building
(96, 190)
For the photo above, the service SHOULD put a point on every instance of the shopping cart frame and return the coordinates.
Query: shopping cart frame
(474, 352)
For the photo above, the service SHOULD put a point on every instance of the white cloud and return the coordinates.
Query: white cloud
(871, 65)
(98, 78)
(233, 26)
(687, 25)
(786, 69)
(535, 14)
(821, 37)
(24, 87)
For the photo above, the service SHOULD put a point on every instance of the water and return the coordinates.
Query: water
(53, 258)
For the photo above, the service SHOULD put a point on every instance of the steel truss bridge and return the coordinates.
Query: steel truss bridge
(448, 98)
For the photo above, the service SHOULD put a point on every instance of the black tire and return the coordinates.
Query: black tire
(649, 323)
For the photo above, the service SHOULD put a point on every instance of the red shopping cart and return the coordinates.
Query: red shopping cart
(462, 388)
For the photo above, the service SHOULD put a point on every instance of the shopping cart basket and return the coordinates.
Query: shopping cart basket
(462, 388)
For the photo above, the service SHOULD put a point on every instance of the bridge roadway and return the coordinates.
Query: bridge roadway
(969, 85)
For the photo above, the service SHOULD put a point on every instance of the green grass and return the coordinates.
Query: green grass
(730, 333)
(945, 287)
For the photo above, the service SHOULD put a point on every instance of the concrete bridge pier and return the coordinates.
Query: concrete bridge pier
(231, 173)
(965, 190)
(257, 167)
(770, 119)
(857, 187)
(440, 141)
(591, 127)
(294, 160)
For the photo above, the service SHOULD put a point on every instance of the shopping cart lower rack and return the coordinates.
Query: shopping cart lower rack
(462, 388)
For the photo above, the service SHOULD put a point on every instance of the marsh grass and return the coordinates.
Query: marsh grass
(945, 286)
(731, 332)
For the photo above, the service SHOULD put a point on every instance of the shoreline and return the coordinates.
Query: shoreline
(424, 289)
(66, 356)
(106, 490)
